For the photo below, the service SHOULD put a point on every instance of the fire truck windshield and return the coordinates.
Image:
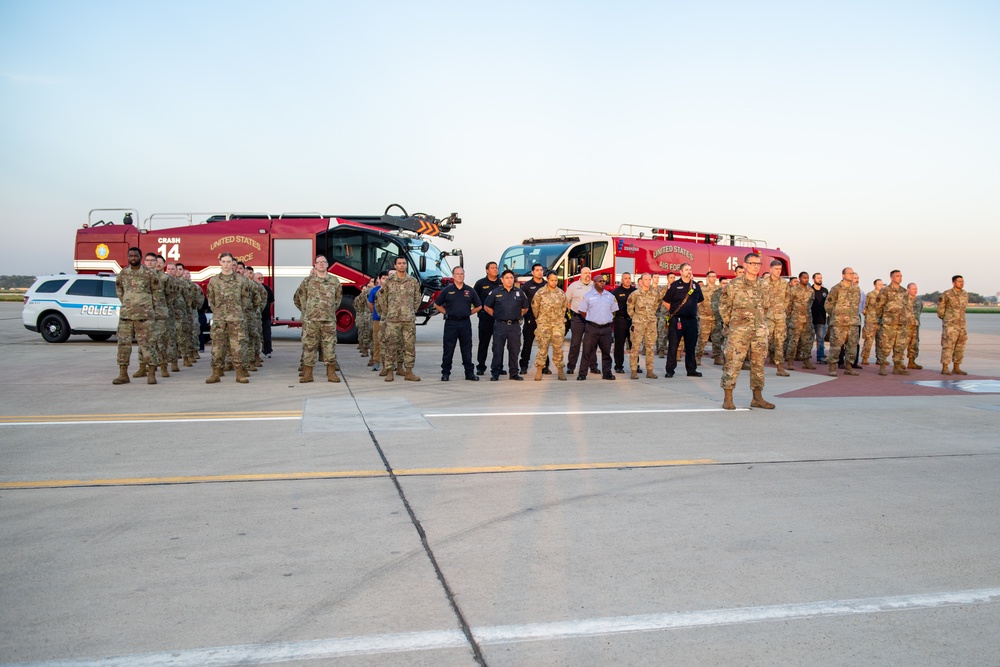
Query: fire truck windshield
(436, 268)
(520, 258)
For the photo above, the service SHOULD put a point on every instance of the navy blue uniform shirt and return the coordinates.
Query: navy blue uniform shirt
(458, 302)
(675, 296)
(507, 305)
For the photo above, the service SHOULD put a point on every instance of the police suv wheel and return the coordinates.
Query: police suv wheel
(54, 328)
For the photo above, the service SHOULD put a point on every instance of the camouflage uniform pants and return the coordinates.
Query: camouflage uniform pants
(643, 332)
(377, 341)
(718, 341)
(661, 332)
(138, 329)
(157, 343)
(184, 335)
(254, 331)
(553, 335)
(318, 336)
(245, 352)
(953, 339)
(739, 344)
(170, 336)
(777, 333)
(912, 342)
(893, 344)
(364, 332)
(799, 342)
(706, 327)
(869, 336)
(195, 331)
(841, 335)
(400, 343)
(228, 338)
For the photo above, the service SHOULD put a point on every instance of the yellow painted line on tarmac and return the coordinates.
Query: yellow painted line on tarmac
(132, 418)
(343, 474)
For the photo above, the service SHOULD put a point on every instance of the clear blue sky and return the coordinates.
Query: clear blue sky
(848, 133)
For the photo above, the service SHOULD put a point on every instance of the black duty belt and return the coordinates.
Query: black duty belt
(456, 318)
(508, 321)
(599, 326)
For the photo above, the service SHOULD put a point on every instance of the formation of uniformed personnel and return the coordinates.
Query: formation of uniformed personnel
(799, 342)
(400, 294)
(549, 308)
(913, 329)
(706, 316)
(843, 305)
(870, 331)
(642, 306)
(458, 302)
(530, 287)
(623, 321)
(507, 304)
(318, 297)
(135, 285)
(893, 310)
(951, 311)
(777, 317)
(228, 294)
(744, 307)
(681, 300)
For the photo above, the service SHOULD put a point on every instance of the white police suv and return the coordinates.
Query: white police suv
(59, 305)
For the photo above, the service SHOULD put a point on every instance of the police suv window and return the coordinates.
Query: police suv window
(85, 288)
(109, 289)
(50, 287)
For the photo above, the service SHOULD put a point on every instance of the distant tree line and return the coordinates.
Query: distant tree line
(13, 282)
(973, 297)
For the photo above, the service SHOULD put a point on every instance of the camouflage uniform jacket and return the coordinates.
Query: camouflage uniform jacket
(779, 298)
(643, 306)
(318, 298)
(800, 301)
(870, 306)
(135, 290)
(193, 295)
(549, 306)
(918, 308)
(227, 296)
(178, 304)
(891, 305)
(401, 297)
(951, 307)
(258, 297)
(161, 296)
(705, 307)
(361, 311)
(843, 305)
(717, 300)
(744, 305)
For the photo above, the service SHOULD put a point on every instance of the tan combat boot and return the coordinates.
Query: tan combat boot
(187, 361)
(399, 368)
(718, 360)
(163, 370)
(957, 370)
(331, 373)
(241, 375)
(538, 374)
(410, 376)
(150, 374)
(914, 365)
(808, 364)
(833, 369)
(174, 368)
(781, 371)
(944, 370)
(388, 370)
(228, 366)
(371, 362)
(851, 370)
(385, 370)
(364, 353)
(759, 402)
(882, 369)
(650, 375)
(214, 377)
(122, 376)
(635, 375)
(142, 370)
(561, 373)
(727, 401)
(899, 369)
(307, 374)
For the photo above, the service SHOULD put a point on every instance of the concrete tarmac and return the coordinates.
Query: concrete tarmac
(498, 523)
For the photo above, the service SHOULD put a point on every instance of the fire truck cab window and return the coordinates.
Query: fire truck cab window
(590, 255)
(86, 287)
(520, 259)
(345, 247)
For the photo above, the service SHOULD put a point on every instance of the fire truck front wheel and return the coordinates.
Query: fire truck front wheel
(347, 326)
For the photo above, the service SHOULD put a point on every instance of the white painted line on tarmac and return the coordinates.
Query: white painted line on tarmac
(259, 654)
(577, 412)
(148, 421)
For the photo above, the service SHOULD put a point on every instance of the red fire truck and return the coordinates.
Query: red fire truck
(282, 247)
(635, 250)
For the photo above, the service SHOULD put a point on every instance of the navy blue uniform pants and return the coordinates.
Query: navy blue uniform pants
(457, 331)
(596, 337)
(509, 336)
(689, 332)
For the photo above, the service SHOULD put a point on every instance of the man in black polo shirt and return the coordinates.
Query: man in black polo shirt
(622, 322)
(528, 334)
(458, 302)
(483, 288)
(507, 305)
(681, 299)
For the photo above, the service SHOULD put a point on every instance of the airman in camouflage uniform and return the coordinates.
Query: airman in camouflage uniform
(951, 310)
(135, 285)
(228, 294)
(662, 334)
(642, 306)
(706, 315)
(801, 334)
(318, 297)
(158, 326)
(549, 307)
(177, 308)
(843, 315)
(184, 313)
(777, 317)
(744, 307)
(913, 328)
(401, 294)
(893, 310)
(255, 340)
(197, 298)
(718, 341)
(363, 320)
(869, 334)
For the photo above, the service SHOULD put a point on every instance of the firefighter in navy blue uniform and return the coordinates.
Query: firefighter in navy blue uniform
(682, 298)
(622, 323)
(530, 324)
(507, 305)
(458, 302)
(483, 288)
